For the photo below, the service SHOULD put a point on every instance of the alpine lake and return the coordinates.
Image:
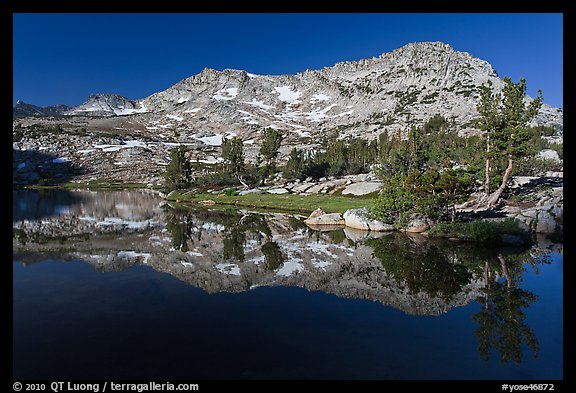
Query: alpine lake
(122, 285)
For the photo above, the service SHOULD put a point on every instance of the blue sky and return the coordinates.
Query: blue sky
(63, 58)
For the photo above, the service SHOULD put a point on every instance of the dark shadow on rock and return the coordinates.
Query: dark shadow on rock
(35, 167)
(482, 214)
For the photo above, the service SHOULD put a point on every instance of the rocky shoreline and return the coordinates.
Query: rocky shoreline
(536, 202)
(546, 217)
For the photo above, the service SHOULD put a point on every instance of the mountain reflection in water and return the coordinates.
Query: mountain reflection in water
(229, 250)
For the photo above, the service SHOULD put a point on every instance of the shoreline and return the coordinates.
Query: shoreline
(282, 203)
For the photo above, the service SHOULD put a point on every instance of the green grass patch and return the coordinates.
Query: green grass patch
(285, 202)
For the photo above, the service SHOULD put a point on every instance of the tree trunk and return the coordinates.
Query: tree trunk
(242, 182)
(493, 199)
(487, 169)
(505, 271)
(486, 280)
(487, 181)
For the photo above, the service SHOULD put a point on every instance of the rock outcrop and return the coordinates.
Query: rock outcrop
(359, 219)
(325, 219)
(362, 188)
(107, 105)
(417, 224)
(547, 216)
(549, 154)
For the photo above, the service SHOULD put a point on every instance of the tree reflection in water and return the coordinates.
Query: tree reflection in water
(179, 223)
(272, 255)
(442, 269)
(423, 265)
(184, 224)
(501, 319)
(438, 268)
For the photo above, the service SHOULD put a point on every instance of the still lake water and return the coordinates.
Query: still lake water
(115, 284)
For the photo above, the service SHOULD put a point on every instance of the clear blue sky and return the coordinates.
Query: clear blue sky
(62, 58)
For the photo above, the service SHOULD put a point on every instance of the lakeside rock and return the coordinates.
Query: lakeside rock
(417, 224)
(549, 154)
(279, 190)
(318, 217)
(362, 188)
(316, 213)
(546, 217)
(358, 219)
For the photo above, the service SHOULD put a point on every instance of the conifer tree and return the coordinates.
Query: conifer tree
(178, 173)
(505, 116)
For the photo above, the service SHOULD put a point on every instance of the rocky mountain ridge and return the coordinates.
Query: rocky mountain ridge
(399, 88)
(22, 109)
(113, 137)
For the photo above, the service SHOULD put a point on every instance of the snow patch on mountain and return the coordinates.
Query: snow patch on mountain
(259, 104)
(228, 268)
(318, 115)
(288, 95)
(394, 91)
(215, 140)
(193, 110)
(320, 97)
(226, 94)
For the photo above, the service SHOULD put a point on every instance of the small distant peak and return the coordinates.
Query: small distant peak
(426, 45)
(242, 72)
(94, 97)
(106, 96)
(208, 70)
(431, 44)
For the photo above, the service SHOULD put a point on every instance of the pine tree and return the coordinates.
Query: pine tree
(233, 155)
(295, 167)
(178, 173)
(504, 117)
(269, 150)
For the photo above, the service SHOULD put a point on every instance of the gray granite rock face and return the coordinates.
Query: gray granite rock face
(358, 219)
(326, 219)
(352, 98)
(417, 225)
(362, 188)
(546, 217)
(420, 79)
